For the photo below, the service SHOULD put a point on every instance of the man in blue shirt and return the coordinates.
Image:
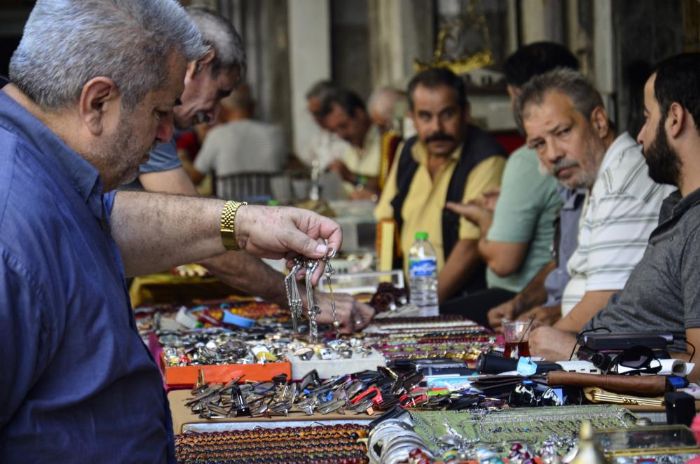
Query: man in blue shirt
(93, 87)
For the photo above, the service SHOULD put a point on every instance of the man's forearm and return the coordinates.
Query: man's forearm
(157, 231)
(590, 304)
(249, 274)
(534, 293)
(174, 181)
(459, 267)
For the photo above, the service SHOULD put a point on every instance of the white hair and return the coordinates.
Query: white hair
(68, 42)
(219, 34)
(382, 101)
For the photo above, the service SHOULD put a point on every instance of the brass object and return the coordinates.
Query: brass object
(451, 31)
(228, 224)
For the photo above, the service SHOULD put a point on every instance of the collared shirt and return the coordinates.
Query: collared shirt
(365, 161)
(78, 382)
(618, 216)
(662, 293)
(242, 146)
(525, 213)
(565, 242)
(422, 209)
(325, 147)
(163, 157)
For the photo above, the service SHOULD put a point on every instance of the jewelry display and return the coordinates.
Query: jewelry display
(328, 444)
(364, 392)
(450, 416)
(491, 436)
(294, 296)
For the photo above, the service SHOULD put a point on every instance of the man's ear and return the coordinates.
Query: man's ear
(600, 122)
(204, 61)
(676, 119)
(99, 95)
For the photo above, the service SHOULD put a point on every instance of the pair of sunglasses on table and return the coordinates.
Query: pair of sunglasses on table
(631, 361)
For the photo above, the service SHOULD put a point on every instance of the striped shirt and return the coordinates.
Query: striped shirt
(619, 214)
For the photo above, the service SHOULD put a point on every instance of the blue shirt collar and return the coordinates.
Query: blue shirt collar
(53, 152)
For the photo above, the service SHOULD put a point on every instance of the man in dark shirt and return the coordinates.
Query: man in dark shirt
(93, 87)
(662, 293)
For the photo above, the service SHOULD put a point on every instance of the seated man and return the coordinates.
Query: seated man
(343, 112)
(566, 123)
(241, 146)
(541, 298)
(661, 294)
(449, 160)
(324, 146)
(515, 238)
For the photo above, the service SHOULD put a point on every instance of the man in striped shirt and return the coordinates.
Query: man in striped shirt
(566, 123)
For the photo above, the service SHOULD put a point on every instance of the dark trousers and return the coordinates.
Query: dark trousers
(476, 305)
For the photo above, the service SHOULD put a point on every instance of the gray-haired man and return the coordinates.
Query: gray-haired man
(208, 80)
(566, 123)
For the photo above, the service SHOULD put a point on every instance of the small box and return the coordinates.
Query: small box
(362, 282)
(176, 377)
(186, 376)
(335, 367)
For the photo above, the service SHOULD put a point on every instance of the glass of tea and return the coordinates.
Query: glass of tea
(516, 334)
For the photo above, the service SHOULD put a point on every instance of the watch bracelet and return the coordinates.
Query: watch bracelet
(228, 224)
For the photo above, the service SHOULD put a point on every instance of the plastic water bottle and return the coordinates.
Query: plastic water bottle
(422, 275)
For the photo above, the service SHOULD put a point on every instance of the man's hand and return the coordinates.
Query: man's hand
(280, 232)
(472, 211)
(351, 314)
(490, 197)
(502, 311)
(342, 170)
(475, 210)
(551, 344)
(542, 315)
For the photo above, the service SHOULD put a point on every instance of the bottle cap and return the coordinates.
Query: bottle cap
(421, 236)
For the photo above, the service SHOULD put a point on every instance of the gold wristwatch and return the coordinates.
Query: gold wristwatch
(228, 224)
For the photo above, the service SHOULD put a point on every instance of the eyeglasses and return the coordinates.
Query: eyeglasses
(634, 361)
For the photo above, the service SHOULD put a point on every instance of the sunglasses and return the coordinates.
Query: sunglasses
(631, 361)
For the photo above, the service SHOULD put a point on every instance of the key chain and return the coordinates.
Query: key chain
(328, 273)
(293, 296)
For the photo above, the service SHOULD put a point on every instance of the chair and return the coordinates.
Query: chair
(253, 187)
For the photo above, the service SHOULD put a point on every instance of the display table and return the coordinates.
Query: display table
(169, 288)
(182, 415)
